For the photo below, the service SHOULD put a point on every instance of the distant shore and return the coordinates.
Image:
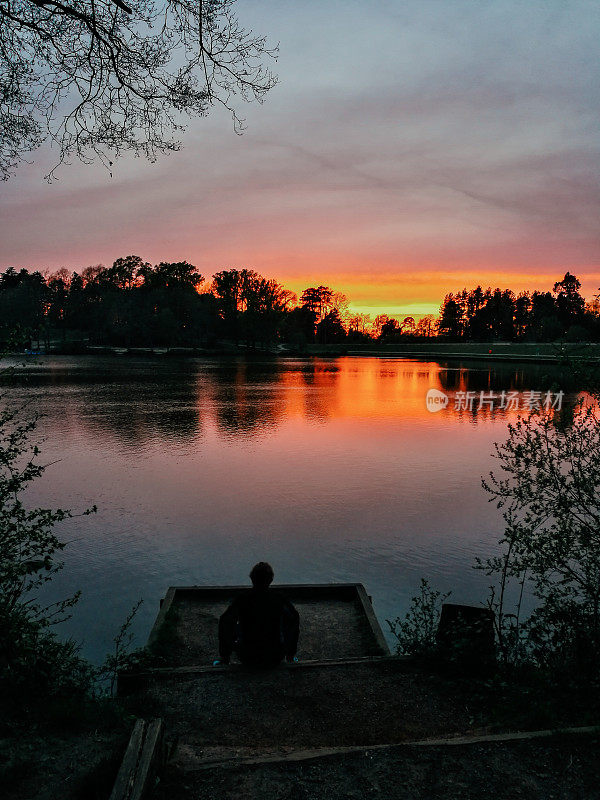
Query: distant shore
(535, 353)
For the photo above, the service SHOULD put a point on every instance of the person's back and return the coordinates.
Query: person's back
(260, 625)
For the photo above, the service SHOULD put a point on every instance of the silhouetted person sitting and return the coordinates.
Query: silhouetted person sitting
(261, 625)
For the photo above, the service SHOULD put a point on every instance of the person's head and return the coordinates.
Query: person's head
(261, 575)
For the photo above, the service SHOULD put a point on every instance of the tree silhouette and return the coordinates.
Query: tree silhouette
(569, 302)
(389, 328)
(23, 303)
(331, 330)
(408, 325)
(133, 303)
(451, 317)
(101, 77)
(319, 299)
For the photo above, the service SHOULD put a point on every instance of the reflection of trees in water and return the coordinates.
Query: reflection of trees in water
(133, 401)
(250, 396)
(141, 410)
(140, 401)
(319, 379)
(247, 395)
(511, 378)
(318, 372)
(452, 379)
(137, 402)
(540, 377)
(167, 400)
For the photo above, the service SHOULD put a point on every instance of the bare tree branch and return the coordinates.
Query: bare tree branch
(100, 77)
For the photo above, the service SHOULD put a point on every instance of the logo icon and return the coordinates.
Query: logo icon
(436, 400)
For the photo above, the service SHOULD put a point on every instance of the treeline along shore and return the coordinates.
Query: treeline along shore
(171, 306)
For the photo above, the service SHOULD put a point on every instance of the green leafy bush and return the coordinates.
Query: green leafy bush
(34, 663)
(548, 489)
(415, 633)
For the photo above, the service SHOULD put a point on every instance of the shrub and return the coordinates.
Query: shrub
(34, 663)
(415, 633)
(549, 490)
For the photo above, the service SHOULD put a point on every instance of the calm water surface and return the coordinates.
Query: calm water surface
(332, 470)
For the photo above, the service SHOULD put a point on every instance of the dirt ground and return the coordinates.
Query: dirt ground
(81, 766)
(561, 768)
(278, 710)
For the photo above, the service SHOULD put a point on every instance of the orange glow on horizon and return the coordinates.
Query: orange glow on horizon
(423, 292)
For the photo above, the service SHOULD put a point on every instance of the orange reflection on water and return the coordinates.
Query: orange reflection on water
(140, 401)
(371, 388)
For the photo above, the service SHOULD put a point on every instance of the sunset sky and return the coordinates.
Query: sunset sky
(411, 148)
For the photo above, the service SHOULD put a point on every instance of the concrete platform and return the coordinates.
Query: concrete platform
(336, 622)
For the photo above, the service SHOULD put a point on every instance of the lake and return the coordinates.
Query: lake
(331, 469)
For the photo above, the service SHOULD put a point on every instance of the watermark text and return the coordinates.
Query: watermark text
(505, 400)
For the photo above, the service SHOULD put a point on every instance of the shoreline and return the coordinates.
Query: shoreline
(544, 353)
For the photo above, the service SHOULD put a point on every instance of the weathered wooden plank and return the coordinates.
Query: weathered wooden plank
(149, 756)
(367, 607)
(166, 604)
(296, 589)
(126, 775)
(142, 756)
(315, 754)
(165, 673)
